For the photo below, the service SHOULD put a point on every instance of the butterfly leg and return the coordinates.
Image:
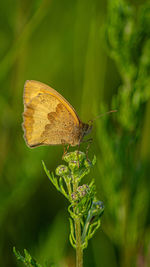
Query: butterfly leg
(65, 150)
(89, 141)
(87, 149)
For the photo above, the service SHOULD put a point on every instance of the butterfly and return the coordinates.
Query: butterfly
(49, 119)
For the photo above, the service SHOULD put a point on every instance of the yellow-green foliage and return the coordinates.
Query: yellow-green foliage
(97, 55)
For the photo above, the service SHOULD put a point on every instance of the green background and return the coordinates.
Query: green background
(63, 44)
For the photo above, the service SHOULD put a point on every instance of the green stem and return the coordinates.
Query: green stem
(86, 226)
(79, 249)
(69, 189)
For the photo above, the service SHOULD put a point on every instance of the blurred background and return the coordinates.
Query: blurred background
(97, 55)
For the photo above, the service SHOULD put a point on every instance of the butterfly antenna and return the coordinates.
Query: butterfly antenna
(101, 115)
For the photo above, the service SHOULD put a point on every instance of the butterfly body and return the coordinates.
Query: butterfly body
(49, 119)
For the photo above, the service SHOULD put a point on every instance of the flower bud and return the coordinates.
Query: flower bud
(75, 156)
(97, 210)
(73, 165)
(74, 196)
(62, 170)
(83, 190)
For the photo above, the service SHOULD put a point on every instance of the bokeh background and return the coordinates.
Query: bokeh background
(97, 55)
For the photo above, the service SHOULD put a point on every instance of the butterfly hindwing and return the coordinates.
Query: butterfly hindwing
(48, 119)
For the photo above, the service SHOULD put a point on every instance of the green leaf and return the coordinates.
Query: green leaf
(27, 259)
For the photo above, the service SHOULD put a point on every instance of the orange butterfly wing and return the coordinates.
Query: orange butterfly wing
(49, 119)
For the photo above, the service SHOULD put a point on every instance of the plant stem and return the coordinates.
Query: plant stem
(79, 250)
